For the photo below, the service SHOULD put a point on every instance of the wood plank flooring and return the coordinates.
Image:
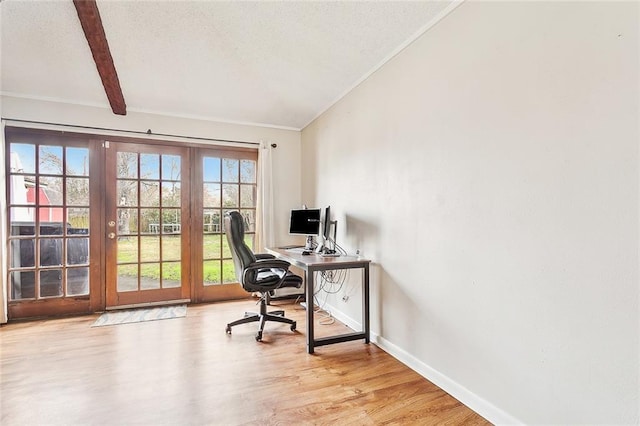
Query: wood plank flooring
(187, 371)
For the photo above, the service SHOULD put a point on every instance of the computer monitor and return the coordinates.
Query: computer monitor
(326, 223)
(327, 243)
(305, 222)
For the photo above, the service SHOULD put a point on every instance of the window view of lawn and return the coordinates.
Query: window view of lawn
(215, 271)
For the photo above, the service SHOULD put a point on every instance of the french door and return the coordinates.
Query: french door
(224, 180)
(53, 212)
(147, 224)
(97, 224)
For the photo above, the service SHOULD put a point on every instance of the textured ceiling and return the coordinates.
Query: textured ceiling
(271, 63)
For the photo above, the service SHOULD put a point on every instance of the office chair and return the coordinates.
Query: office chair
(261, 273)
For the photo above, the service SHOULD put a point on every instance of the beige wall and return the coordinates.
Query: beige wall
(491, 171)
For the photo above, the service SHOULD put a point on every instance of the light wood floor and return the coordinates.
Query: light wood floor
(188, 371)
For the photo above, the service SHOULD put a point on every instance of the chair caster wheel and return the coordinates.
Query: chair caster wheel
(228, 329)
(259, 336)
(293, 326)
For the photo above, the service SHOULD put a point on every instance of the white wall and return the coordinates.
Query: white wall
(491, 172)
(286, 167)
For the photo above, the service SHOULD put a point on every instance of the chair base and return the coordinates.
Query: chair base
(262, 317)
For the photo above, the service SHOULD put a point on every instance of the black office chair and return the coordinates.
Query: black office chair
(261, 273)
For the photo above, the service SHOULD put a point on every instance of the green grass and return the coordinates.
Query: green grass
(217, 266)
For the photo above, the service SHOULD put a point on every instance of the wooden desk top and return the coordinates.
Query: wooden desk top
(316, 261)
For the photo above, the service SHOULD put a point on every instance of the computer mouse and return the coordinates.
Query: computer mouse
(306, 253)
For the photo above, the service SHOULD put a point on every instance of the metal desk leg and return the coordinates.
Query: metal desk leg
(365, 310)
(309, 298)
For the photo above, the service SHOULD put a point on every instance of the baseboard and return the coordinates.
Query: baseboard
(453, 388)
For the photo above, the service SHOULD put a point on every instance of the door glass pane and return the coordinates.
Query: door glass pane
(124, 221)
(77, 281)
(50, 160)
(171, 194)
(149, 248)
(171, 167)
(230, 196)
(211, 169)
(171, 221)
(212, 246)
(211, 272)
(23, 192)
(247, 171)
(23, 285)
(51, 220)
(228, 272)
(226, 251)
(150, 166)
(212, 221)
(150, 221)
(127, 221)
(127, 193)
(230, 170)
(50, 191)
(127, 278)
(78, 191)
(171, 247)
(171, 274)
(50, 251)
(22, 253)
(77, 161)
(149, 276)
(22, 220)
(149, 193)
(78, 221)
(23, 158)
(127, 165)
(249, 217)
(127, 249)
(77, 251)
(50, 282)
(247, 195)
(211, 195)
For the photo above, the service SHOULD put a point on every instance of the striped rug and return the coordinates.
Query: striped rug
(139, 315)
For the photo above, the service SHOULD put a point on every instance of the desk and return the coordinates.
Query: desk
(314, 263)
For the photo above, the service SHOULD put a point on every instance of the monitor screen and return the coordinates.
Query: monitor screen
(326, 223)
(305, 222)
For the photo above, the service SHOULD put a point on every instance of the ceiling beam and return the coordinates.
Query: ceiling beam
(94, 32)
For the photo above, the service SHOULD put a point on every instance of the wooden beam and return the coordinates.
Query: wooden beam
(94, 32)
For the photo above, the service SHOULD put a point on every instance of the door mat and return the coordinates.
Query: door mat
(140, 315)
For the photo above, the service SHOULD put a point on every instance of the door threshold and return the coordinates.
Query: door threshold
(148, 304)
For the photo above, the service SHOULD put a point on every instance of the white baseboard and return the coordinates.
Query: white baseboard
(487, 410)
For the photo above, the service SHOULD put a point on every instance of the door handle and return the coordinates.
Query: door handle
(111, 235)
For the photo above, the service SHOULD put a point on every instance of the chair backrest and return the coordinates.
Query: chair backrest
(241, 253)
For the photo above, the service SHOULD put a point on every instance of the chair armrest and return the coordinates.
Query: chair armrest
(262, 256)
(275, 266)
(269, 264)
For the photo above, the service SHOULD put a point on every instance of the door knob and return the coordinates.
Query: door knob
(111, 235)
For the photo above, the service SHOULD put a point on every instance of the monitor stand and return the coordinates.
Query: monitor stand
(311, 243)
